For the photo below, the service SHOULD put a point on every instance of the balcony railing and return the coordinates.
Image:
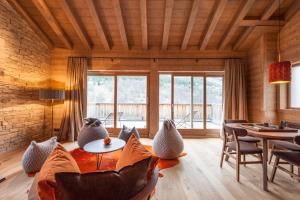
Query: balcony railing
(138, 112)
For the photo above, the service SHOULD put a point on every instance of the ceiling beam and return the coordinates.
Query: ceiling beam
(71, 17)
(270, 11)
(120, 22)
(167, 23)
(143, 5)
(213, 23)
(98, 25)
(44, 10)
(242, 12)
(250, 22)
(190, 25)
(16, 5)
(243, 37)
(263, 23)
(293, 9)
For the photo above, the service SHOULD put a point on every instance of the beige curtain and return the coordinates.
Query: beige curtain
(75, 100)
(235, 101)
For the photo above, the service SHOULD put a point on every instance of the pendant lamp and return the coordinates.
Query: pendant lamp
(279, 72)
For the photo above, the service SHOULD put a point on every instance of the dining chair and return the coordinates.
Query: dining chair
(233, 145)
(273, 142)
(290, 153)
(246, 138)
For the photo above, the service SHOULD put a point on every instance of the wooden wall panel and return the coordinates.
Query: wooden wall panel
(290, 50)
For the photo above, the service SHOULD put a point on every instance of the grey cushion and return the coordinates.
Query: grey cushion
(91, 130)
(36, 154)
(168, 143)
(126, 132)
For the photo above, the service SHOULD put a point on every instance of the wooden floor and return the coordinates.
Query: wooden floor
(198, 176)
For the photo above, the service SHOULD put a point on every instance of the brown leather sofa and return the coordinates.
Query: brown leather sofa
(143, 194)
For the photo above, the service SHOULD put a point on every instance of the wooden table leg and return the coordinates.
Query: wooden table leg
(265, 164)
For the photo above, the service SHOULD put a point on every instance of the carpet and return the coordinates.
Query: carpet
(87, 161)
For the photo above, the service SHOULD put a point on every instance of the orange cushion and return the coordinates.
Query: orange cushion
(132, 153)
(60, 160)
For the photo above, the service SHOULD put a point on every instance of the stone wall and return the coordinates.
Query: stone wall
(24, 68)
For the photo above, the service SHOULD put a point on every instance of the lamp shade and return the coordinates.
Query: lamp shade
(51, 94)
(280, 72)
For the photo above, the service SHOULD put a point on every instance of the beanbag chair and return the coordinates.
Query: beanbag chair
(36, 154)
(168, 143)
(91, 130)
(126, 132)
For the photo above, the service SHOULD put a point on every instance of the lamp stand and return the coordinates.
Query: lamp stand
(52, 131)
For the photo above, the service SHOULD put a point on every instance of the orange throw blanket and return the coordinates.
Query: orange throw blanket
(87, 161)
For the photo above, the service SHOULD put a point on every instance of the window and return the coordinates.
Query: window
(182, 99)
(295, 87)
(118, 100)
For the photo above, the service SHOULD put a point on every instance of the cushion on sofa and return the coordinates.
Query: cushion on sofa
(132, 153)
(108, 185)
(60, 160)
(126, 132)
(36, 154)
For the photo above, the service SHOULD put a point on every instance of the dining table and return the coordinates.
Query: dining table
(265, 138)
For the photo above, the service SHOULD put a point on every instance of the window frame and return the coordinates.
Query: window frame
(114, 131)
(289, 93)
(194, 74)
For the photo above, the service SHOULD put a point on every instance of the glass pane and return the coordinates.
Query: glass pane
(100, 99)
(165, 96)
(214, 102)
(182, 101)
(132, 101)
(295, 87)
(198, 102)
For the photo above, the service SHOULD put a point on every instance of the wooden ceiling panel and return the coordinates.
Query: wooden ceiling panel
(155, 17)
(41, 22)
(187, 23)
(180, 17)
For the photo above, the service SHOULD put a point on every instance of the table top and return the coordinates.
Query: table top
(267, 135)
(98, 146)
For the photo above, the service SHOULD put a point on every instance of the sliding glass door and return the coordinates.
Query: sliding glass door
(118, 100)
(192, 101)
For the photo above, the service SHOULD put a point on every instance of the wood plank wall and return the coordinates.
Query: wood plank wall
(269, 102)
(150, 66)
(290, 50)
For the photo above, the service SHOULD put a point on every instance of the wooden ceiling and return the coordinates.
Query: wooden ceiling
(144, 25)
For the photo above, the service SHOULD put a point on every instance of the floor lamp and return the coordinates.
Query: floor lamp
(51, 95)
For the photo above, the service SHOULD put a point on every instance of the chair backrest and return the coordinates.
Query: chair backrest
(293, 125)
(297, 139)
(227, 121)
(239, 132)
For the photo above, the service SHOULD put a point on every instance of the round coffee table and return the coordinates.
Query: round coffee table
(99, 148)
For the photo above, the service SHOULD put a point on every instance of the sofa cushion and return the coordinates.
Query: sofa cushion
(108, 185)
(126, 132)
(36, 154)
(132, 153)
(60, 160)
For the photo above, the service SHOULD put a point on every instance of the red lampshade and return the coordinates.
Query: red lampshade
(280, 72)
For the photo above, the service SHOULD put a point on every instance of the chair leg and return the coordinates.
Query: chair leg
(244, 159)
(238, 160)
(222, 156)
(292, 169)
(274, 169)
(271, 156)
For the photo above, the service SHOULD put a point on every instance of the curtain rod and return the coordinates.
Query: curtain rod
(146, 58)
